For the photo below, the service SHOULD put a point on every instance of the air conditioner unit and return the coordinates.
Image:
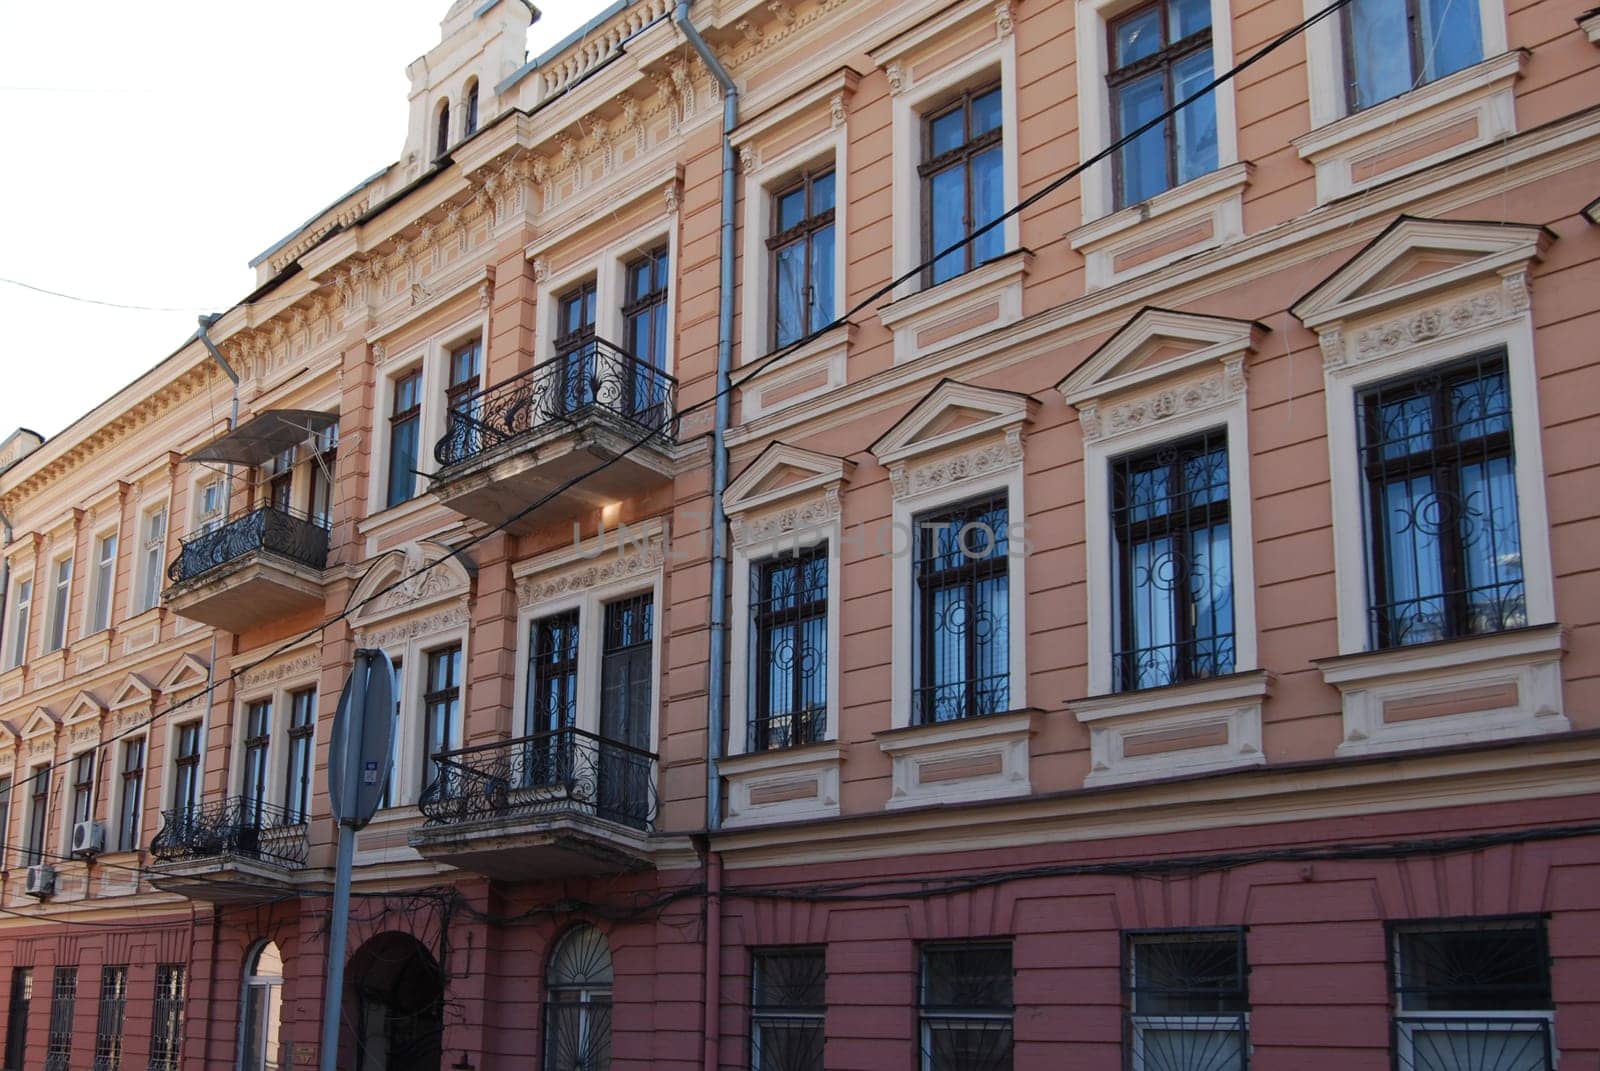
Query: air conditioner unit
(41, 880)
(88, 838)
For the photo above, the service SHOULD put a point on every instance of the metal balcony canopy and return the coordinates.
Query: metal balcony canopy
(264, 436)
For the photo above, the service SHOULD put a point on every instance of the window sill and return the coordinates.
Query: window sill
(1201, 214)
(783, 785)
(810, 371)
(1464, 691)
(1414, 131)
(984, 299)
(959, 761)
(1175, 731)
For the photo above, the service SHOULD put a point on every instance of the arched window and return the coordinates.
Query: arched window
(577, 1019)
(260, 1033)
(442, 143)
(469, 125)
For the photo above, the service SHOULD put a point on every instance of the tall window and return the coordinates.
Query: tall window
(63, 1002)
(575, 311)
(441, 139)
(578, 1003)
(324, 463)
(150, 566)
(390, 796)
(966, 1007)
(464, 372)
(1444, 542)
(280, 480)
(1169, 516)
(261, 1041)
(5, 821)
(625, 660)
(83, 787)
(212, 506)
(441, 708)
(1392, 46)
(22, 609)
(105, 582)
(553, 672)
(186, 769)
(1187, 1001)
(962, 182)
(1161, 54)
(108, 1024)
(787, 1009)
(1472, 994)
(469, 125)
(17, 1017)
(963, 611)
(789, 655)
(38, 814)
(644, 313)
(405, 427)
(132, 795)
(257, 743)
(302, 727)
(60, 604)
(166, 1017)
(802, 257)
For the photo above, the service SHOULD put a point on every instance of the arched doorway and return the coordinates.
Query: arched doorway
(260, 1034)
(395, 994)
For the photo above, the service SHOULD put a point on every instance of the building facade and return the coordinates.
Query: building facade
(839, 621)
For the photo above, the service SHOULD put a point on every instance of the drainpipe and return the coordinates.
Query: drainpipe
(233, 417)
(713, 934)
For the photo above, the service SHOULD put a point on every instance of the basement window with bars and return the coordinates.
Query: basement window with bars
(966, 1007)
(963, 611)
(789, 652)
(166, 1017)
(787, 1009)
(63, 1002)
(1187, 1001)
(1443, 539)
(108, 1025)
(1472, 995)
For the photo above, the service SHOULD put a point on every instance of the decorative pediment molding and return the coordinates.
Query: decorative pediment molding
(639, 561)
(40, 723)
(132, 692)
(953, 414)
(299, 664)
(186, 674)
(782, 472)
(1159, 344)
(396, 582)
(84, 707)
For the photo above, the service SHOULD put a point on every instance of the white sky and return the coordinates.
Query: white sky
(152, 150)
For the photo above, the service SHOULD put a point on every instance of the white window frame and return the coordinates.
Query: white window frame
(169, 764)
(378, 500)
(279, 693)
(69, 794)
(609, 268)
(148, 571)
(114, 828)
(208, 518)
(410, 754)
(58, 611)
(20, 614)
(103, 587)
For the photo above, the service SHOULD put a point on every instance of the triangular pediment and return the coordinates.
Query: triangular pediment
(1414, 257)
(40, 723)
(84, 707)
(186, 674)
(132, 692)
(782, 471)
(951, 413)
(1158, 343)
(410, 577)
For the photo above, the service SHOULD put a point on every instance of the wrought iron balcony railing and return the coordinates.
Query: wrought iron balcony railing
(235, 827)
(567, 771)
(595, 376)
(267, 529)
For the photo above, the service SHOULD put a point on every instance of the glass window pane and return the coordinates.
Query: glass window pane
(988, 202)
(822, 193)
(986, 112)
(1492, 546)
(788, 294)
(947, 132)
(1143, 160)
(1185, 17)
(791, 208)
(1135, 37)
(1411, 547)
(822, 271)
(1197, 124)
(1450, 36)
(1376, 33)
(948, 205)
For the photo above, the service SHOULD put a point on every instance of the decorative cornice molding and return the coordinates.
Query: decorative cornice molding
(954, 468)
(301, 664)
(426, 625)
(533, 590)
(1206, 392)
(811, 514)
(1426, 324)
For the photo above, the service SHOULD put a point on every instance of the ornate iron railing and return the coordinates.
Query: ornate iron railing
(595, 376)
(237, 827)
(266, 529)
(567, 771)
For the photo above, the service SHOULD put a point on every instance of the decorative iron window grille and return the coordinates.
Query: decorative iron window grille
(302, 728)
(802, 250)
(966, 1007)
(787, 1009)
(132, 809)
(962, 182)
(1444, 542)
(440, 708)
(17, 1017)
(578, 1003)
(1187, 1001)
(1472, 995)
(1170, 519)
(63, 1002)
(963, 611)
(166, 1017)
(108, 1025)
(1160, 53)
(789, 652)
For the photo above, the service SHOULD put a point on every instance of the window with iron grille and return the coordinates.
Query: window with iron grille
(963, 184)
(257, 743)
(405, 428)
(553, 672)
(789, 652)
(38, 815)
(302, 729)
(787, 1009)
(1472, 995)
(966, 1007)
(108, 1025)
(1170, 520)
(577, 1012)
(1187, 1001)
(166, 1017)
(1443, 538)
(802, 250)
(441, 708)
(186, 768)
(17, 1017)
(1392, 46)
(83, 787)
(963, 611)
(132, 805)
(1159, 55)
(63, 1002)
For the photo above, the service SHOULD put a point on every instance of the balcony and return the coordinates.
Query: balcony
(232, 851)
(555, 804)
(514, 443)
(259, 566)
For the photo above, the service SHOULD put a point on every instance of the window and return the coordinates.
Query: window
(257, 743)
(1187, 1001)
(63, 1002)
(787, 1009)
(38, 814)
(22, 603)
(963, 602)
(211, 505)
(302, 727)
(625, 671)
(60, 603)
(150, 568)
(5, 822)
(553, 673)
(405, 427)
(464, 361)
(789, 655)
(441, 708)
(324, 462)
(17, 1017)
(1159, 55)
(575, 311)
(132, 795)
(166, 1017)
(389, 796)
(261, 1041)
(1170, 519)
(82, 788)
(644, 316)
(1472, 995)
(105, 582)
(469, 125)
(1440, 37)
(441, 142)
(1443, 538)
(186, 769)
(802, 257)
(578, 1002)
(962, 183)
(108, 1024)
(966, 1007)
